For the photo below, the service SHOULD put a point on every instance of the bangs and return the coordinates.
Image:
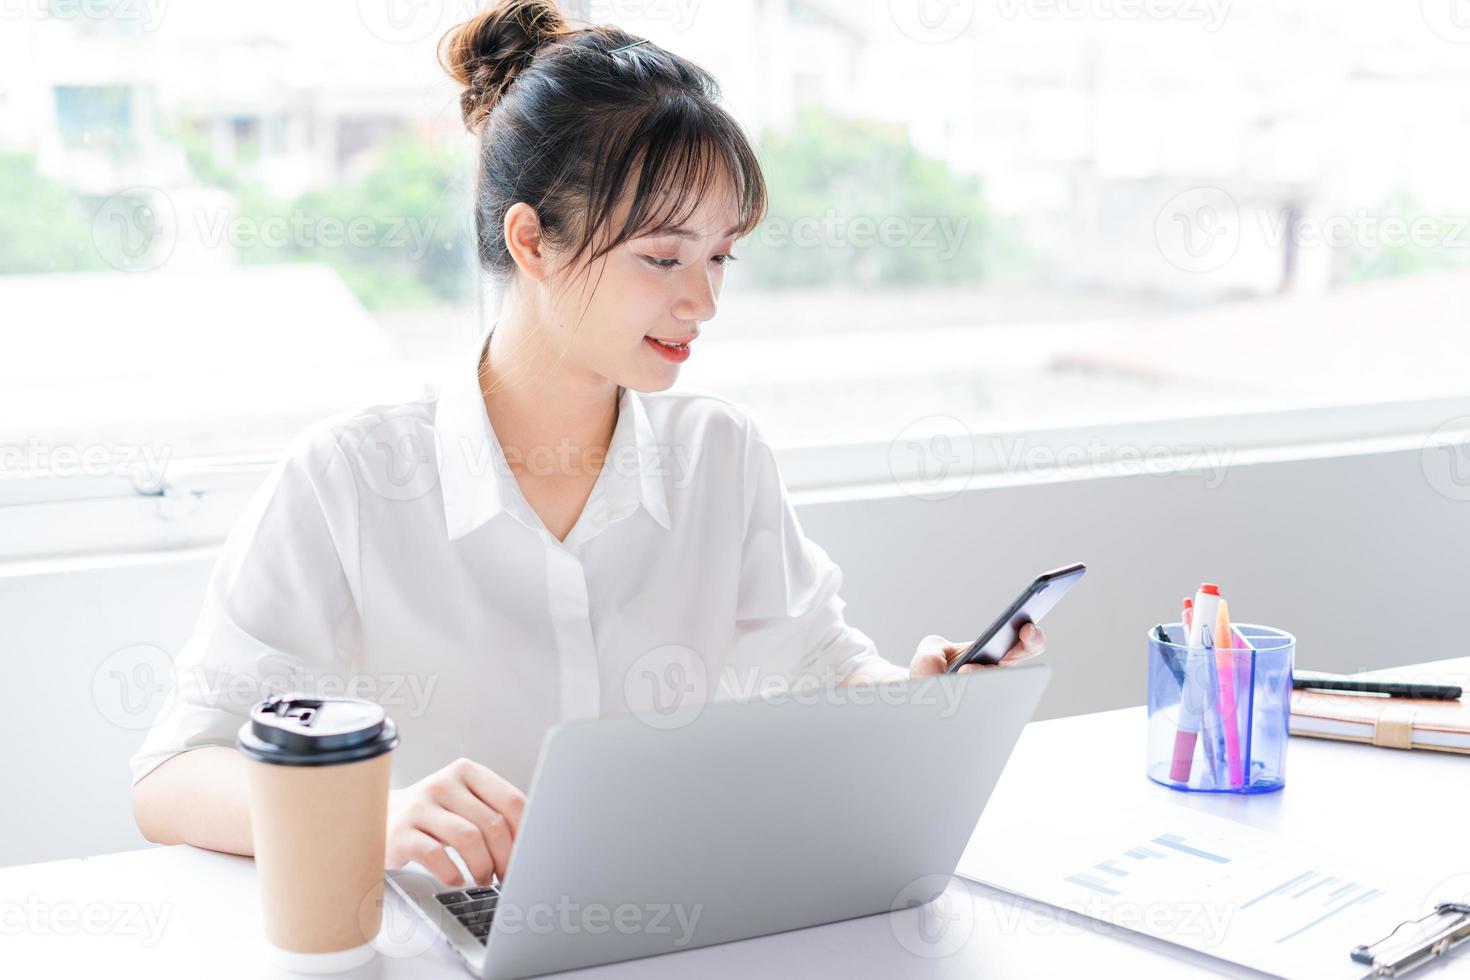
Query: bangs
(681, 153)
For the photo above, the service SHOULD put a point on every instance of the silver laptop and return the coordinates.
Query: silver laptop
(743, 819)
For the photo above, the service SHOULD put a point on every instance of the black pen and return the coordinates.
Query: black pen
(1170, 660)
(1392, 689)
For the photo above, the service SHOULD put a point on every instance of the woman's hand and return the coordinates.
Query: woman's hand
(465, 806)
(935, 653)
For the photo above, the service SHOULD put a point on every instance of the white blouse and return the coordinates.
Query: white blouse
(391, 555)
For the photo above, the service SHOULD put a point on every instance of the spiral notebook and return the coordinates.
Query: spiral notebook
(1400, 723)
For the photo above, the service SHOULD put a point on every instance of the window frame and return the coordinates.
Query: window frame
(200, 498)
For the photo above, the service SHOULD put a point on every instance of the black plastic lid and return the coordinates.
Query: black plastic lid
(300, 730)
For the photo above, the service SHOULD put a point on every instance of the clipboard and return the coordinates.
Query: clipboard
(1431, 936)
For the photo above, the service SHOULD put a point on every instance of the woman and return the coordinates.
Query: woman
(537, 539)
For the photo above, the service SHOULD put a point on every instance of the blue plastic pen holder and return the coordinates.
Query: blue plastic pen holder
(1218, 719)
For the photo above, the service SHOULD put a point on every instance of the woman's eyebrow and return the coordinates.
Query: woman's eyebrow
(682, 232)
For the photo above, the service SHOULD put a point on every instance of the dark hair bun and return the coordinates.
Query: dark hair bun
(486, 52)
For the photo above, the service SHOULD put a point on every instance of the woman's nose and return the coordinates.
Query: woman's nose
(699, 299)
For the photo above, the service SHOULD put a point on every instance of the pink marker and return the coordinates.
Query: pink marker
(1225, 668)
(1183, 762)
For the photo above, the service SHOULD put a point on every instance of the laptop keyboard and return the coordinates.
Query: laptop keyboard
(473, 907)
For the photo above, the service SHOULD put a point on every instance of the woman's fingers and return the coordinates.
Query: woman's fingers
(494, 791)
(933, 656)
(460, 833)
(1032, 644)
(412, 844)
(493, 827)
(464, 806)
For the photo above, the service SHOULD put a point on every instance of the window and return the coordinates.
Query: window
(1034, 214)
(219, 223)
(1247, 219)
(94, 115)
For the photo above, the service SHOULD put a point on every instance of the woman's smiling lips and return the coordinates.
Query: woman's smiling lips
(675, 349)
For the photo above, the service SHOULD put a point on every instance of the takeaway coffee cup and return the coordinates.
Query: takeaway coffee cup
(318, 776)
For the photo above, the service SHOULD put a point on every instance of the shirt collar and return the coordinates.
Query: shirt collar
(476, 480)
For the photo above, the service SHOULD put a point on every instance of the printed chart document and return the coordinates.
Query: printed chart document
(1250, 896)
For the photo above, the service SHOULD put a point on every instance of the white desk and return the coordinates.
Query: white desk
(205, 920)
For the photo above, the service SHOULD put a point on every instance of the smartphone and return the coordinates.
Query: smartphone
(1033, 603)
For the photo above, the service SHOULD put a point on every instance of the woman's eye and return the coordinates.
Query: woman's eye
(659, 263)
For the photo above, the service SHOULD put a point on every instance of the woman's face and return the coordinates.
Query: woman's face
(662, 287)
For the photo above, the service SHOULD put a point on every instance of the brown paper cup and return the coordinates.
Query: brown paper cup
(319, 827)
(319, 834)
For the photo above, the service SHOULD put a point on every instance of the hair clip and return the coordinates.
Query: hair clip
(627, 46)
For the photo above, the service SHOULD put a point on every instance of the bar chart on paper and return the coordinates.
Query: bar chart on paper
(1222, 888)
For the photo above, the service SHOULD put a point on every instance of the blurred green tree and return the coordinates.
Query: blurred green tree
(401, 235)
(853, 202)
(43, 227)
(1406, 240)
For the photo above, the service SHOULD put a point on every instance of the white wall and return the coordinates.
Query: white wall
(64, 774)
(1358, 555)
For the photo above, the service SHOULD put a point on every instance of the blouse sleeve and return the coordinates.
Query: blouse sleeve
(789, 613)
(280, 610)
